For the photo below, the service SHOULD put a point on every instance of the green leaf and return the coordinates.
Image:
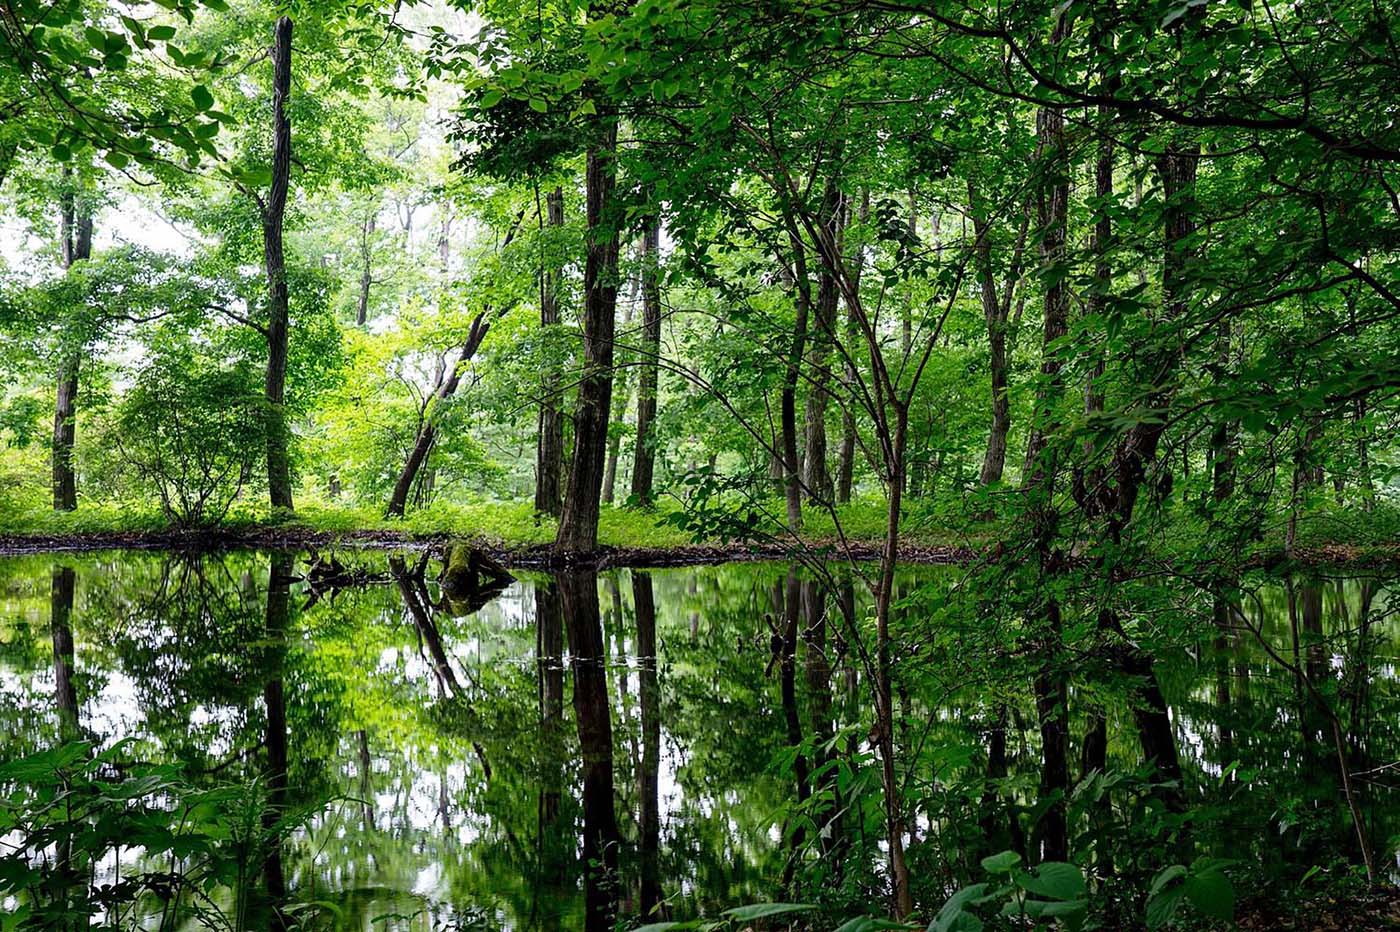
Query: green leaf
(202, 98)
(538, 105)
(1001, 863)
(764, 910)
(116, 159)
(61, 152)
(491, 98)
(1210, 892)
(161, 33)
(1056, 880)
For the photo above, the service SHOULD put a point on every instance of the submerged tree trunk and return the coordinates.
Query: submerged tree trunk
(578, 525)
(648, 775)
(75, 224)
(279, 581)
(601, 839)
(644, 459)
(549, 450)
(279, 469)
(62, 586)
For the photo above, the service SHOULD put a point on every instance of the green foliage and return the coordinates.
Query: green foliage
(68, 811)
(190, 432)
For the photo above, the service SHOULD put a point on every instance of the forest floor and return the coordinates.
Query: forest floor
(513, 534)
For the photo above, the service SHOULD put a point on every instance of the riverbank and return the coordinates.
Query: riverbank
(513, 534)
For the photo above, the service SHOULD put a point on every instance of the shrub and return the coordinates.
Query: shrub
(190, 430)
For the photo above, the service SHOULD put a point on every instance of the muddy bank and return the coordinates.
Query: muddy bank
(542, 556)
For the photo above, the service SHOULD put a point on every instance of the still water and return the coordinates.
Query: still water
(462, 756)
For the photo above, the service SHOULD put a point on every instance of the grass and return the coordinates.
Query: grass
(927, 524)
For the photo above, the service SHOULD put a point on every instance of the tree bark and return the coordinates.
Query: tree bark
(366, 269)
(549, 450)
(274, 209)
(578, 525)
(448, 381)
(816, 475)
(644, 460)
(75, 227)
(994, 311)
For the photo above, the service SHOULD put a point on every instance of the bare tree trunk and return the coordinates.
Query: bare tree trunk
(644, 460)
(578, 525)
(448, 380)
(846, 475)
(816, 475)
(279, 469)
(75, 224)
(549, 452)
(366, 268)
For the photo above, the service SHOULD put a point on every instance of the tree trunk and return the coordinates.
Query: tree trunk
(578, 525)
(448, 381)
(366, 269)
(846, 475)
(601, 839)
(75, 223)
(994, 461)
(279, 469)
(644, 460)
(549, 451)
(816, 475)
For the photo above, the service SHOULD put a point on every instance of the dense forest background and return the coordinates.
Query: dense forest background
(417, 258)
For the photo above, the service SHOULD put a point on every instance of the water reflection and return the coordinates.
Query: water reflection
(558, 752)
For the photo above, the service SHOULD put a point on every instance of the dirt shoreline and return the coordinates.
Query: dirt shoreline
(543, 556)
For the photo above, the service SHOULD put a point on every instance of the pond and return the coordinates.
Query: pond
(459, 762)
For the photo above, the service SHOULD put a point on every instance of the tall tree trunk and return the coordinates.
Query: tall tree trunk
(846, 475)
(622, 393)
(549, 450)
(601, 839)
(1040, 471)
(648, 787)
(274, 209)
(366, 269)
(994, 312)
(816, 475)
(644, 460)
(75, 224)
(578, 525)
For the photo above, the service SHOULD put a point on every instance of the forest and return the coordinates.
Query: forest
(699, 464)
